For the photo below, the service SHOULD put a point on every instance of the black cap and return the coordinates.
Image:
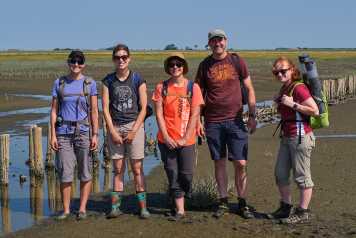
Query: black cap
(76, 54)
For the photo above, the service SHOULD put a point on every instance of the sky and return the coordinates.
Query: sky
(153, 24)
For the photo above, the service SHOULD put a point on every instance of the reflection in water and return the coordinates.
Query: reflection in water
(51, 190)
(36, 196)
(5, 209)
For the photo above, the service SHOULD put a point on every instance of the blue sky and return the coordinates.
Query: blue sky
(152, 24)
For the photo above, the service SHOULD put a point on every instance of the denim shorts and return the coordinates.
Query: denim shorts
(227, 138)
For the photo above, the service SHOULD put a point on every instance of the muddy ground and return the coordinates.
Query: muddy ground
(333, 204)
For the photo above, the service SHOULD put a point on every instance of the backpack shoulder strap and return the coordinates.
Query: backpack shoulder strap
(190, 86)
(62, 82)
(164, 91)
(236, 60)
(293, 87)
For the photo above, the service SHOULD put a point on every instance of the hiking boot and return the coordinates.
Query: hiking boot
(62, 216)
(115, 205)
(300, 215)
(176, 217)
(222, 208)
(114, 212)
(144, 213)
(81, 216)
(283, 211)
(244, 210)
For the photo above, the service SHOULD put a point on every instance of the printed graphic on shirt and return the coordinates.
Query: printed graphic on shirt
(221, 72)
(125, 101)
(183, 113)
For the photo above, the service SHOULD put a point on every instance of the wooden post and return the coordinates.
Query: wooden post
(4, 158)
(31, 147)
(38, 153)
(50, 153)
(96, 183)
(59, 204)
(106, 155)
(38, 212)
(107, 179)
(5, 209)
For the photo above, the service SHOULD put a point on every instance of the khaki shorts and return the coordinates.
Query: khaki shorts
(135, 150)
(295, 156)
(74, 151)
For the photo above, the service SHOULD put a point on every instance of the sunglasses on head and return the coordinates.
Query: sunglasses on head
(175, 63)
(76, 61)
(122, 57)
(282, 71)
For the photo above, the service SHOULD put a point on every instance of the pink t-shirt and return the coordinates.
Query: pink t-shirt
(291, 127)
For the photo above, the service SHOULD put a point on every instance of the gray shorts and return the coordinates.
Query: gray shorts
(74, 150)
(295, 156)
(135, 150)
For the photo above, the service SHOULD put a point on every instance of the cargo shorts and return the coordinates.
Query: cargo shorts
(74, 149)
(295, 156)
(135, 150)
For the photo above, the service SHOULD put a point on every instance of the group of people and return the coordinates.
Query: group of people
(211, 106)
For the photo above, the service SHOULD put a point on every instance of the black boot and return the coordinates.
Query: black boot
(283, 211)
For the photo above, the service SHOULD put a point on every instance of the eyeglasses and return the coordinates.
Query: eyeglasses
(282, 71)
(172, 64)
(122, 57)
(76, 61)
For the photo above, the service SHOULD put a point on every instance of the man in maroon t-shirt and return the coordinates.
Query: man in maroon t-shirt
(219, 76)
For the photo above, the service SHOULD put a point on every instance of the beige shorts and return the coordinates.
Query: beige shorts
(135, 150)
(295, 156)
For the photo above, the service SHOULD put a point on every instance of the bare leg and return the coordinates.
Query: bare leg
(180, 205)
(241, 177)
(85, 188)
(137, 169)
(305, 197)
(119, 167)
(285, 193)
(65, 190)
(221, 177)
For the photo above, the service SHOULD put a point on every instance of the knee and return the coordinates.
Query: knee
(137, 171)
(241, 165)
(282, 177)
(304, 182)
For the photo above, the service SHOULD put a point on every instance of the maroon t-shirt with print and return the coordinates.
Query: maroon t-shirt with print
(220, 84)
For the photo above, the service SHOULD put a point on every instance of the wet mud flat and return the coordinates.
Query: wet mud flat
(333, 204)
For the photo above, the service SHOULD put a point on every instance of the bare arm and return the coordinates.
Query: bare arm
(251, 123)
(106, 112)
(307, 107)
(53, 119)
(142, 90)
(94, 115)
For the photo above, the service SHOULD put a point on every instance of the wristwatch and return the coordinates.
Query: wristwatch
(295, 106)
(252, 115)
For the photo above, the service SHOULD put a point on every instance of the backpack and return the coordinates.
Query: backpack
(136, 84)
(86, 93)
(189, 95)
(320, 121)
(236, 61)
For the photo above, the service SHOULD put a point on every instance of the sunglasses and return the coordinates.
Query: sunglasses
(76, 61)
(282, 71)
(172, 64)
(123, 57)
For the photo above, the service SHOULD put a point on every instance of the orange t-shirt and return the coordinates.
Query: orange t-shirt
(176, 109)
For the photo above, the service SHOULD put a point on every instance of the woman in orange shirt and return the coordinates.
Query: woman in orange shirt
(177, 102)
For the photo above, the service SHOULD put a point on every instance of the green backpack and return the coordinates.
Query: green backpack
(320, 121)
